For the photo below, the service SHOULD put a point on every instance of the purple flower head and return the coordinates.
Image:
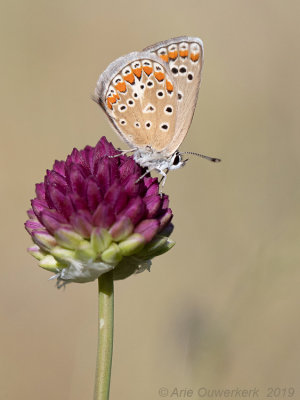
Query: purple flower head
(92, 214)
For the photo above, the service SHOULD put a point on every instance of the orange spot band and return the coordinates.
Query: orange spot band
(129, 78)
(169, 86)
(137, 72)
(160, 76)
(183, 53)
(121, 87)
(112, 99)
(173, 54)
(195, 57)
(164, 57)
(148, 70)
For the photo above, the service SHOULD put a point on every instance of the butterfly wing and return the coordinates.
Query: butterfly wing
(139, 94)
(184, 56)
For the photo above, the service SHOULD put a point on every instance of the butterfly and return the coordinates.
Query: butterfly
(150, 99)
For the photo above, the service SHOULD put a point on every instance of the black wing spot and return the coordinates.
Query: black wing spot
(164, 126)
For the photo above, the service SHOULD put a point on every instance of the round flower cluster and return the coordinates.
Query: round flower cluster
(94, 213)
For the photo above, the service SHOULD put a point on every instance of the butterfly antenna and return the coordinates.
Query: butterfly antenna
(212, 159)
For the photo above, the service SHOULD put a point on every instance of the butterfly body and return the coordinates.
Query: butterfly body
(150, 98)
(152, 159)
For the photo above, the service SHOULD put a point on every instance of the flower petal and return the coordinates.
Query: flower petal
(129, 168)
(132, 186)
(93, 194)
(82, 223)
(38, 206)
(53, 178)
(40, 191)
(103, 148)
(148, 228)
(31, 225)
(60, 202)
(104, 216)
(76, 179)
(116, 197)
(165, 218)
(153, 187)
(106, 173)
(135, 210)
(59, 166)
(152, 204)
(52, 220)
(78, 202)
(43, 239)
(121, 229)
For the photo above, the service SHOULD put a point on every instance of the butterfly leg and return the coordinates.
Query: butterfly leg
(163, 180)
(142, 176)
(122, 153)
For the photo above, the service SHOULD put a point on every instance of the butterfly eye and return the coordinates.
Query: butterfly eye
(177, 159)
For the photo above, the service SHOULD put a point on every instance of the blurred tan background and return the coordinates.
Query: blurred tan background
(221, 310)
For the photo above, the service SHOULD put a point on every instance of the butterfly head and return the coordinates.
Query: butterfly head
(176, 161)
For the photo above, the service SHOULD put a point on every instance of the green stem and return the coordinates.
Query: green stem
(105, 335)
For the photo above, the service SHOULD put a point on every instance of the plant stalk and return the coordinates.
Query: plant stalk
(105, 335)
